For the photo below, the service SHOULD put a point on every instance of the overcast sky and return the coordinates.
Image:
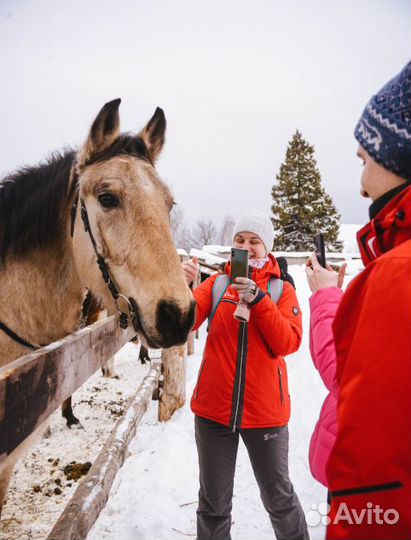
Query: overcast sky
(235, 78)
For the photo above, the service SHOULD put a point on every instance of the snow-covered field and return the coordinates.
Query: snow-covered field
(39, 489)
(154, 496)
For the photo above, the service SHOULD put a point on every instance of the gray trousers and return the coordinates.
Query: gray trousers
(267, 448)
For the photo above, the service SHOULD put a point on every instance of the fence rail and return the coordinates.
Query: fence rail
(91, 495)
(35, 385)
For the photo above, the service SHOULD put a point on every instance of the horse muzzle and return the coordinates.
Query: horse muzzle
(174, 324)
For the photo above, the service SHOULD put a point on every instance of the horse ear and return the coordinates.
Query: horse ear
(153, 134)
(103, 132)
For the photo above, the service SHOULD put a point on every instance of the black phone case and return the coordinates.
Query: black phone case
(320, 249)
(239, 263)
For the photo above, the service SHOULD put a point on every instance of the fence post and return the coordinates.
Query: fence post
(173, 395)
(190, 343)
(193, 335)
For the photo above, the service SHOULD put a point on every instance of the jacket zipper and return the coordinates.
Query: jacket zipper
(280, 377)
(366, 489)
(240, 376)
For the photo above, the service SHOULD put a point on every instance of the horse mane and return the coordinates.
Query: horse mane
(32, 202)
(33, 199)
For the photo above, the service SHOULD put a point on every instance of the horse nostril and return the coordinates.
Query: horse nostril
(168, 313)
(173, 324)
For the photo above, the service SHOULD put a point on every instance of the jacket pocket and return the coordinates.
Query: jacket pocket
(366, 489)
(280, 381)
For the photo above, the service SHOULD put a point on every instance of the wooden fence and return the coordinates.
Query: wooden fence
(35, 385)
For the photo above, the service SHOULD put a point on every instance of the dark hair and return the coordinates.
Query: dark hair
(32, 202)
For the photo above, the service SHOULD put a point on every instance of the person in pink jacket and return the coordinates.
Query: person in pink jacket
(326, 288)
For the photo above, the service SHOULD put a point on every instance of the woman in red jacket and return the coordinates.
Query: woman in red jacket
(369, 468)
(242, 388)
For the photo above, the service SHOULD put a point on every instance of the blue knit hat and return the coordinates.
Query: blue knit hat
(384, 129)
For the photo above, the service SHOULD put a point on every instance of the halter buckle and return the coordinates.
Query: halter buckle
(124, 318)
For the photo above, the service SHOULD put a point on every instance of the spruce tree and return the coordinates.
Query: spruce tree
(301, 206)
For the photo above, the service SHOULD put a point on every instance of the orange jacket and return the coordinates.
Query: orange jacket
(242, 380)
(369, 470)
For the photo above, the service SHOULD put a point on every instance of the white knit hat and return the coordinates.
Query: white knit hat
(258, 223)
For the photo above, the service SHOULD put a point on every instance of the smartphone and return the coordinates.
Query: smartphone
(319, 246)
(239, 263)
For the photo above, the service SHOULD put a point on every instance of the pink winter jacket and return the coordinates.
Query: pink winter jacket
(323, 306)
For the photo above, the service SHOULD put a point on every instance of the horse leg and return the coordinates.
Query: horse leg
(5, 477)
(67, 413)
(143, 355)
(107, 368)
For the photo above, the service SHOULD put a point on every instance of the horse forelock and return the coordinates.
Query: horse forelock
(32, 203)
(125, 145)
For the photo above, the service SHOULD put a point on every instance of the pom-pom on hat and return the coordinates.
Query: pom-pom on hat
(384, 129)
(259, 224)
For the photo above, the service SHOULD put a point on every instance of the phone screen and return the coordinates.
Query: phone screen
(239, 263)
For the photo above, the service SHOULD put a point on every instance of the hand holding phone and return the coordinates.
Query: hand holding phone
(239, 268)
(319, 245)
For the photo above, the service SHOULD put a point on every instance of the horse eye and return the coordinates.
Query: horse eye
(108, 200)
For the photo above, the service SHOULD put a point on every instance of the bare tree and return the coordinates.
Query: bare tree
(176, 222)
(184, 240)
(204, 233)
(225, 237)
(178, 228)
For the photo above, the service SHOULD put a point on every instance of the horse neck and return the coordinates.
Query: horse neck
(41, 298)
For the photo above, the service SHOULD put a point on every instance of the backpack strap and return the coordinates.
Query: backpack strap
(285, 276)
(275, 290)
(219, 288)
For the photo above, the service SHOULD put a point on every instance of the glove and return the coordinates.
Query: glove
(247, 289)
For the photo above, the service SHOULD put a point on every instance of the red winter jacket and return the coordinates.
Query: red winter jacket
(242, 380)
(369, 468)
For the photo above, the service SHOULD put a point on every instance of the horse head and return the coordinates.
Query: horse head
(126, 208)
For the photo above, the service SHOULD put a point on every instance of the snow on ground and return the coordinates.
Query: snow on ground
(40, 490)
(154, 496)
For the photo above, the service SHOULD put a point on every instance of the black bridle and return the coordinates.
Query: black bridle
(124, 318)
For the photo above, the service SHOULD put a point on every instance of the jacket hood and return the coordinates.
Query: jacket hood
(390, 228)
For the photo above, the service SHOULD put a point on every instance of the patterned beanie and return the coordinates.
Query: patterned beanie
(259, 224)
(384, 129)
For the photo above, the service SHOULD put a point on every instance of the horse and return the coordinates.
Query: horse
(94, 219)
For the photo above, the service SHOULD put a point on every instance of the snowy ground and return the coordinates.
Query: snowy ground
(154, 496)
(39, 489)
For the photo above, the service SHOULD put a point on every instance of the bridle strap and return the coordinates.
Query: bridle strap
(124, 318)
(16, 337)
(73, 215)
(100, 259)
